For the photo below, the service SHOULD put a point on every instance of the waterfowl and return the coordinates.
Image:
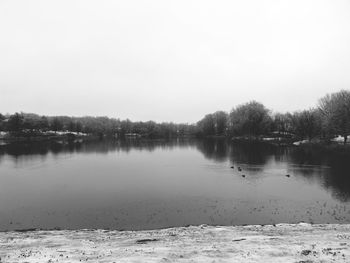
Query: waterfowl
(287, 175)
(243, 175)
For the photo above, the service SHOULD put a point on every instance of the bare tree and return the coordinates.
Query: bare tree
(335, 111)
(250, 119)
(220, 122)
(307, 124)
(283, 122)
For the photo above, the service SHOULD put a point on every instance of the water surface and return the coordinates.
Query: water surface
(139, 184)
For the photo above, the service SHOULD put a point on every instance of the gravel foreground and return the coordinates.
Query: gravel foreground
(302, 243)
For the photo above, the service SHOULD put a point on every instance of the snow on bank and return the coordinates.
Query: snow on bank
(280, 243)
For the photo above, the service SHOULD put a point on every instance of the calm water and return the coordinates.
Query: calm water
(156, 184)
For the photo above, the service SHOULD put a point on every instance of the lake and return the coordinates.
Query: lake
(149, 184)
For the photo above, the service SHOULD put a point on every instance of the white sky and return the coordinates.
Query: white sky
(170, 60)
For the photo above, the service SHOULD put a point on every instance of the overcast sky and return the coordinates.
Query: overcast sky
(170, 60)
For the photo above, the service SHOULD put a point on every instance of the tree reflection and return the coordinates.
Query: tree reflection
(251, 153)
(18, 150)
(328, 166)
(214, 149)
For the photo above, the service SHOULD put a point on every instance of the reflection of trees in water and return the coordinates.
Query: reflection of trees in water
(330, 169)
(251, 153)
(307, 156)
(18, 150)
(310, 162)
(151, 145)
(25, 150)
(339, 179)
(214, 149)
(281, 154)
(237, 152)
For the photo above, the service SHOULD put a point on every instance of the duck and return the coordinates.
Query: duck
(232, 167)
(239, 168)
(287, 175)
(243, 175)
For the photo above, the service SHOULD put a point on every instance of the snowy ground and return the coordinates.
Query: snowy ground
(281, 243)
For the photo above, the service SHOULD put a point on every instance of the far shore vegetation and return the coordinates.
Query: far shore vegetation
(328, 121)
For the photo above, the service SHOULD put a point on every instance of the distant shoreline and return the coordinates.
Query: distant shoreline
(71, 137)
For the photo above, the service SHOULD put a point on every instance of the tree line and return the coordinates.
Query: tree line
(28, 124)
(330, 118)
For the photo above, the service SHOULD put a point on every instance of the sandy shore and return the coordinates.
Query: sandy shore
(281, 243)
